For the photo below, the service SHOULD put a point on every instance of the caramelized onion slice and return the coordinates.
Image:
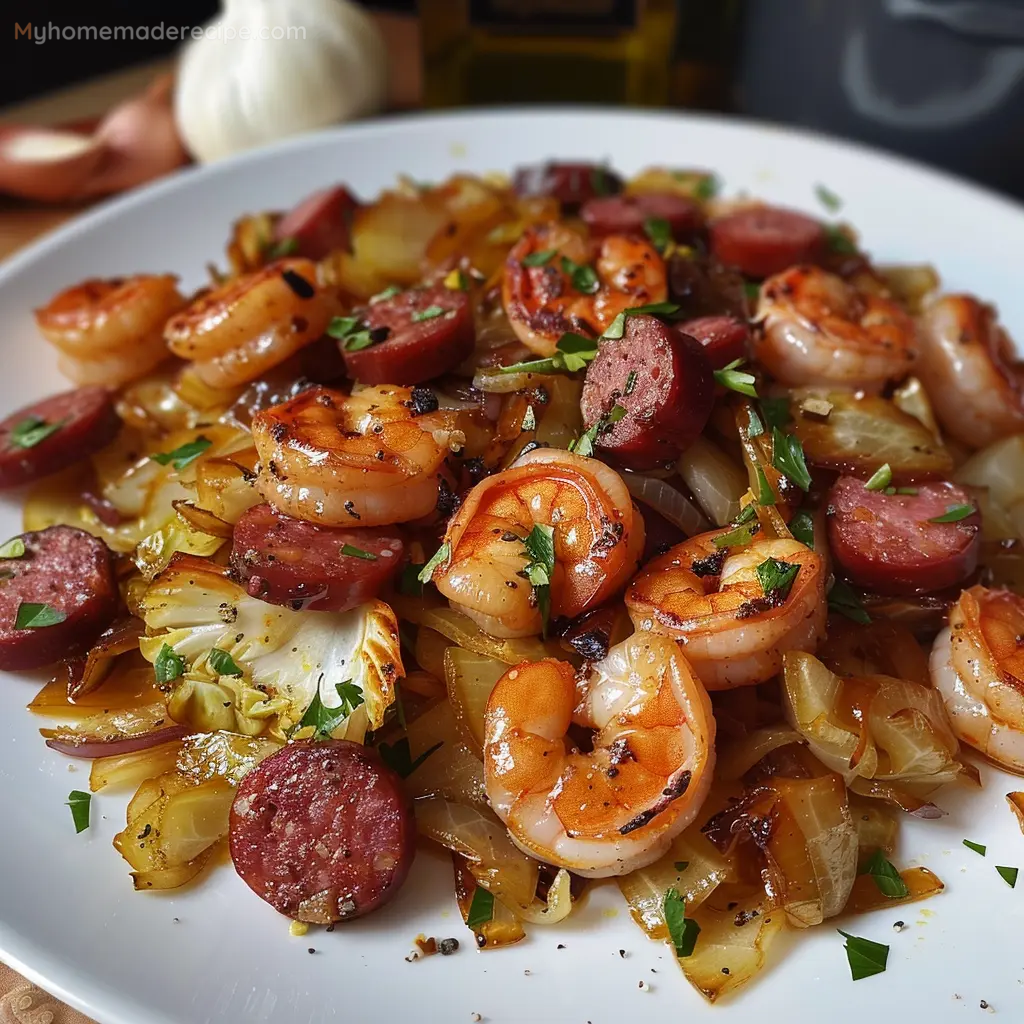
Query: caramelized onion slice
(866, 895)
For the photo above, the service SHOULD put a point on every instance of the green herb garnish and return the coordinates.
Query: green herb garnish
(37, 616)
(765, 494)
(286, 247)
(540, 546)
(737, 537)
(351, 331)
(618, 326)
(184, 454)
(682, 930)
(169, 665)
(838, 241)
(442, 554)
(880, 479)
(865, 957)
(755, 428)
(886, 877)
(32, 430)
(976, 847)
(828, 198)
(430, 313)
(398, 757)
(752, 290)
(409, 581)
(681, 865)
(538, 259)
(775, 411)
(582, 275)
(388, 293)
(599, 182)
(324, 720)
(659, 231)
(354, 552)
(776, 576)
(481, 908)
(843, 600)
(573, 352)
(1008, 875)
(14, 548)
(788, 458)
(222, 663)
(80, 803)
(736, 380)
(802, 528)
(584, 444)
(954, 513)
(706, 187)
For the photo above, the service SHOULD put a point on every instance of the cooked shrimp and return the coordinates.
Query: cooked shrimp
(977, 664)
(541, 301)
(110, 331)
(712, 601)
(620, 806)
(237, 332)
(597, 539)
(967, 371)
(818, 329)
(349, 460)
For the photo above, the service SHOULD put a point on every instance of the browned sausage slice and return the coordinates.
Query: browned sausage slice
(724, 337)
(662, 379)
(625, 215)
(322, 831)
(54, 434)
(63, 594)
(765, 240)
(570, 184)
(888, 543)
(320, 224)
(289, 561)
(417, 335)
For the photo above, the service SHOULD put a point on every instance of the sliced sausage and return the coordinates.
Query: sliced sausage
(417, 334)
(765, 240)
(31, 448)
(570, 184)
(887, 543)
(724, 337)
(322, 831)
(628, 215)
(64, 585)
(288, 561)
(705, 288)
(319, 225)
(663, 380)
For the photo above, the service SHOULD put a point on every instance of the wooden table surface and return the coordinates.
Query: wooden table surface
(21, 222)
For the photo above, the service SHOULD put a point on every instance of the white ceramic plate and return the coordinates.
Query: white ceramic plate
(68, 916)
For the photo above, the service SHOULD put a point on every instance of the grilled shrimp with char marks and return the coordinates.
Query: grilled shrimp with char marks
(239, 331)
(597, 538)
(618, 807)
(110, 332)
(350, 460)
(542, 302)
(977, 664)
(819, 329)
(713, 602)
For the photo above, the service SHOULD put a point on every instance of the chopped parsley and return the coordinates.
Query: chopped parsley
(707, 187)
(788, 458)
(765, 494)
(886, 877)
(953, 514)
(409, 581)
(600, 182)
(430, 313)
(398, 757)
(736, 380)
(843, 600)
(538, 259)
(738, 536)
(14, 548)
(1008, 875)
(880, 479)
(37, 616)
(354, 552)
(572, 353)
(618, 326)
(582, 275)
(659, 231)
(32, 430)
(681, 865)
(324, 720)
(351, 331)
(481, 907)
(388, 293)
(866, 958)
(838, 241)
(540, 546)
(752, 290)
(184, 454)
(755, 428)
(776, 576)
(222, 663)
(802, 528)
(285, 247)
(584, 444)
(682, 930)
(80, 803)
(976, 847)
(442, 554)
(169, 665)
(828, 198)
(775, 411)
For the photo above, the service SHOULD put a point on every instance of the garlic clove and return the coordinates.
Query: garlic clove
(47, 164)
(242, 85)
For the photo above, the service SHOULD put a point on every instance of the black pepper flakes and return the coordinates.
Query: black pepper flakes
(422, 401)
(447, 946)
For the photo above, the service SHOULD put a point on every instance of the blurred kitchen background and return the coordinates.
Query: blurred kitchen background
(940, 80)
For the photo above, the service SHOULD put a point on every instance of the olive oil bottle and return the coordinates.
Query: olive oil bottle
(547, 51)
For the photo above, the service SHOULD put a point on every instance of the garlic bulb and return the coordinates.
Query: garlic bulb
(265, 69)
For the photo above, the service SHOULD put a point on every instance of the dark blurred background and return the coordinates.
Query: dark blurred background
(941, 80)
